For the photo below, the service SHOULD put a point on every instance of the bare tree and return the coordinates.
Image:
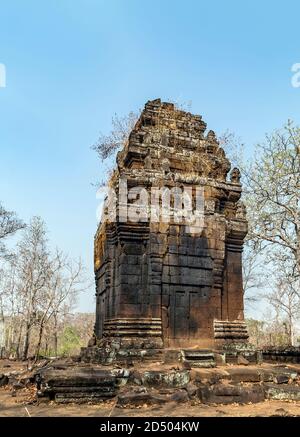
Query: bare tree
(38, 290)
(32, 266)
(254, 271)
(254, 267)
(284, 299)
(257, 331)
(65, 281)
(272, 183)
(9, 225)
(107, 145)
(10, 310)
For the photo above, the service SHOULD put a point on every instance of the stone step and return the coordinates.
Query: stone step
(198, 358)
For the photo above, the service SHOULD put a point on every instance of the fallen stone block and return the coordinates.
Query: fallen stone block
(171, 378)
(244, 375)
(208, 376)
(242, 361)
(278, 375)
(267, 375)
(135, 377)
(171, 356)
(281, 379)
(229, 394)
(80, 384)
(180, 396)
(282, 392)
(191, 389)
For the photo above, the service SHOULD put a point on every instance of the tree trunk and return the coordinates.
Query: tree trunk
(46, 347)
(38, 347)
(2, 333)
(55, 336)
(18, 352)
(26, 342)
(291, 330)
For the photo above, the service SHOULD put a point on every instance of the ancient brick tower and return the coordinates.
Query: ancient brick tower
(161, 283)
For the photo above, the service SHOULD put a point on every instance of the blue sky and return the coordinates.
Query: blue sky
(70, 65)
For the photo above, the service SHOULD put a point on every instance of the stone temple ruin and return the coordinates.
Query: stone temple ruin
(164, 284)
(169, 287)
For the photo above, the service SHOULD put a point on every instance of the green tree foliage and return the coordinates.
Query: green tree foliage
(70, 341)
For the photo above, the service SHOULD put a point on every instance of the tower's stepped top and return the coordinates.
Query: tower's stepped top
(173, 142)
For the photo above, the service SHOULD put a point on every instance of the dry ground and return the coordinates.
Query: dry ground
(18, 406)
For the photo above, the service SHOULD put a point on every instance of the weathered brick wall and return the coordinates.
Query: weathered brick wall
(152, 270)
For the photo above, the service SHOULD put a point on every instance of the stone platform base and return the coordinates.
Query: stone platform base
(148, 385)
(128, 351)
(126, 340)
